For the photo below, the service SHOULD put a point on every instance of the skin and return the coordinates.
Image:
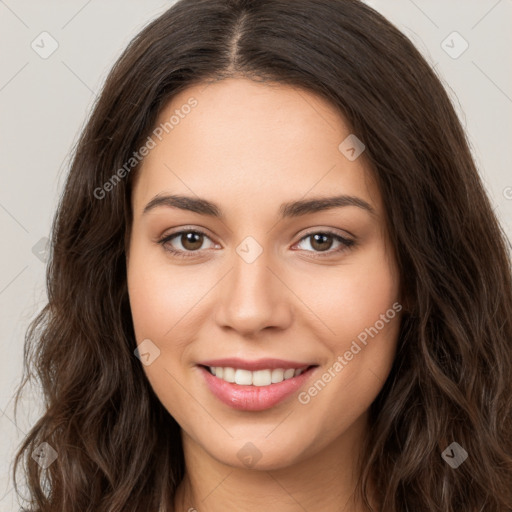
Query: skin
(248, 147)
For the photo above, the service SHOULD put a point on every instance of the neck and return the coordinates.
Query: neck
(323, 481)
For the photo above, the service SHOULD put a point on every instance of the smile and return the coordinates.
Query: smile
(255, 389)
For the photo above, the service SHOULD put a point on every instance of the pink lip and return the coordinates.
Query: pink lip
(259, 364)
(253, 398)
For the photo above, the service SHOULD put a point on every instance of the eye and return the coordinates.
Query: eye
(322, 242)
(190, 240)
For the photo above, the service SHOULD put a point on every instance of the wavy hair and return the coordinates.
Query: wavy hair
(118, 448)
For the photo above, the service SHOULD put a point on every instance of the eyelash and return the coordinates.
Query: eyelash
(346, 243)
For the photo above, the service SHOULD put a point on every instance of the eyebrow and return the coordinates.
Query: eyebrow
(286, 210)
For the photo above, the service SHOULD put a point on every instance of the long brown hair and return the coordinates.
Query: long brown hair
(118, 448)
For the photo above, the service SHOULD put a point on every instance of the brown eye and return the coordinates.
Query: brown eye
(185, 242)
(321, 241)
(191, 241)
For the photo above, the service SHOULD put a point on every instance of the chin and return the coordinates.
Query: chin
(258, 454)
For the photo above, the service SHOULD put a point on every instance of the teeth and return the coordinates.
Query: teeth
(243, 377)
(229, 374)
(289, 373)
(262, 378)
(277, 375)
(256, 378)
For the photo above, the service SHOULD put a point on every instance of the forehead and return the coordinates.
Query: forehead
(243, 139)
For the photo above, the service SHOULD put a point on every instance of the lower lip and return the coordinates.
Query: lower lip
(253, 398)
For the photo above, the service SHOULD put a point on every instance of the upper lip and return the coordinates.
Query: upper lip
(259, 364)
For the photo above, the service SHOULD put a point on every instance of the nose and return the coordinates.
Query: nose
(253, 297)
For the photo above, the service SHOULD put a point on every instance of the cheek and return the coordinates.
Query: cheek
(159, 312)
(360, 305)
(350, 297)
(161, 294)
(149, 298)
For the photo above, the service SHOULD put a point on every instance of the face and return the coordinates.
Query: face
(257, 285)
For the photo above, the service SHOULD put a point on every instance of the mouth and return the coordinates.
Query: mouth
(257, 389)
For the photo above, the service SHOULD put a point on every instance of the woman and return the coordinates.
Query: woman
(201, 349)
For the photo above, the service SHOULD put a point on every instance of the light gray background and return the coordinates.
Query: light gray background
(45, 102)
